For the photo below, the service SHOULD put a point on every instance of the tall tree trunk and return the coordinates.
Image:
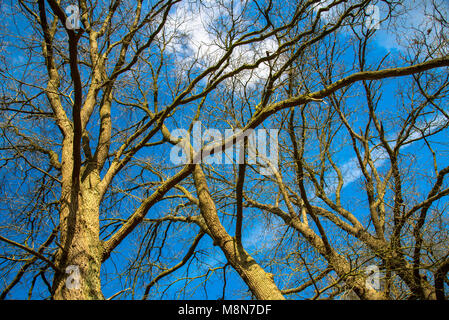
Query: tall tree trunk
(259, 282)
(79, 259)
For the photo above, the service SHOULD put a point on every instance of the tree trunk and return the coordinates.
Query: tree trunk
(80, 259)
(259, 282)
(342, 267)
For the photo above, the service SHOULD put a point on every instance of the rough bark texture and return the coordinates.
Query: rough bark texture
(80, 242)
(259, 282)
(338, 263)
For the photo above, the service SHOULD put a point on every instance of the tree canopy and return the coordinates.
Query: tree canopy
(222, 149)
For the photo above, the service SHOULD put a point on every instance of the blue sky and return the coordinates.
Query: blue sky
(258, 240)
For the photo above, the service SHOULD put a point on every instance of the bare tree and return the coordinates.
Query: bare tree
(90, 112)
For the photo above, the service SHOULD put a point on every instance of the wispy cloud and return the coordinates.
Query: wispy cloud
(414, 18)
(196, 41)
(351, 169)
(417, 21)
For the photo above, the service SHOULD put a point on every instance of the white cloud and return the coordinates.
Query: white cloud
(416, 20)
(195, 41)
(412, 18)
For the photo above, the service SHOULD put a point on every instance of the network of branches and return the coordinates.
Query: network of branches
(94, 92)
